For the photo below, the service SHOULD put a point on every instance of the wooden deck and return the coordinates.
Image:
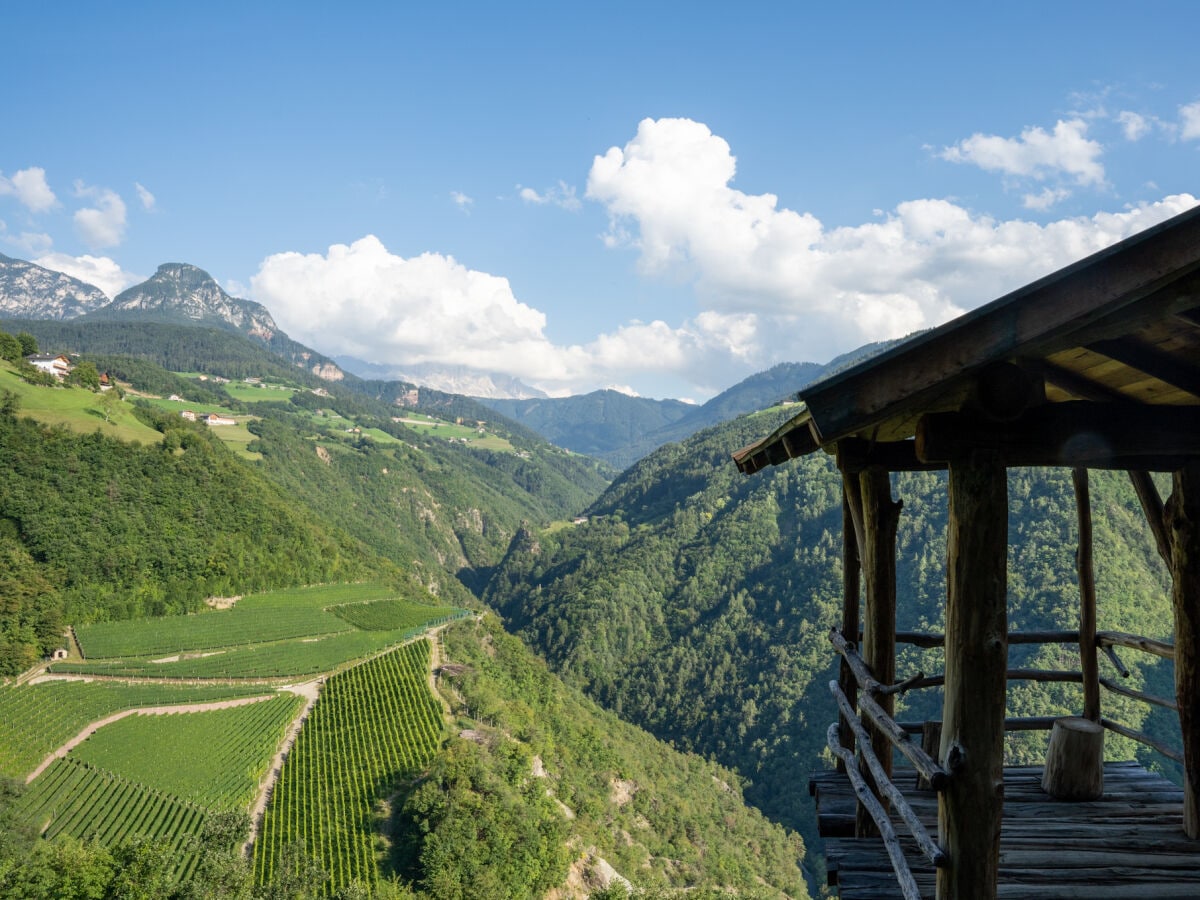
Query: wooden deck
(1128, 844)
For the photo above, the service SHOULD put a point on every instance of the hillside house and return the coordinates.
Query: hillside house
(213, 419)
(188, 414)
(57, 365)
(1096, 366)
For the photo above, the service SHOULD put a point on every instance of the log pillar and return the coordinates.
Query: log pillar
(972, 748)
(1088, 663)
(1183, 530)
(880, 516)
(851, 581)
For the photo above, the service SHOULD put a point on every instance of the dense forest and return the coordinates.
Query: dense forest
(696, 601)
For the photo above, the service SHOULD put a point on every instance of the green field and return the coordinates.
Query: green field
(35, 719)
(468, 434)
(259, 393)
(375, 725)
(159, 752)
(75, 408)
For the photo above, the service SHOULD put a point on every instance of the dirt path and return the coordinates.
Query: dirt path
(309, 690)
(92, 728)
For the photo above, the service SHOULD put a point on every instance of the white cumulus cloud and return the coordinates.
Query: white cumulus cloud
(461, 200)
(362, 300)
(805, 291)
(1036, 153)
(30, 188)
(101, 271)
(101, 225)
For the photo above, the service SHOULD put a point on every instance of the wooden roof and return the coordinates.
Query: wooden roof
(1097, 364)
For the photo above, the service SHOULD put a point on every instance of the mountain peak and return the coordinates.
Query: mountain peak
(29, 291)
(183, 293)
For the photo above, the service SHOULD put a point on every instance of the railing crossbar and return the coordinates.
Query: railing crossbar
(928, 845)
(908, 884)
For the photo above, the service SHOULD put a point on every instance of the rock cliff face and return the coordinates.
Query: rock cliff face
(28, 291)
(179, 292)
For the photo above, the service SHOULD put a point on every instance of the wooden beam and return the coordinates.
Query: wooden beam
(1151, 361)
(851, 592)
(1152, 506)
(1082, 387)
(1161, 649)
(855, 455)
(1075, 433)
(971, 806)
(1089, 664)
(880, 515)
(1183, 528)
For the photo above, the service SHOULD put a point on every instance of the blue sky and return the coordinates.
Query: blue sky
(658, 197)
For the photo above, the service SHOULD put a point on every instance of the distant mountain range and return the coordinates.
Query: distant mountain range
(448, 379)
(621, 430)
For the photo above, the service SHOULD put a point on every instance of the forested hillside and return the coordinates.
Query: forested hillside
(696, 601)
(95, 527)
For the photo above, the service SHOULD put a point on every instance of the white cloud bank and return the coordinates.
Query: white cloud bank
(772, 284)
(809, 291)
(360, 299)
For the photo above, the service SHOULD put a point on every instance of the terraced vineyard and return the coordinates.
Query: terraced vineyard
(159, 752)
(274, 635)
(272, 616)
(161, 775)
(37, 718)
(373, 727)
(73, 798)
(280, 659)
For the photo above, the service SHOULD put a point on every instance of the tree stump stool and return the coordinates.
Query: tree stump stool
(1075, 760)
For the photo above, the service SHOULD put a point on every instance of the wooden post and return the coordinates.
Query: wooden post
(880, 515)
(971, 806)
(851, 581)
(1089, 665)
(1183, 528)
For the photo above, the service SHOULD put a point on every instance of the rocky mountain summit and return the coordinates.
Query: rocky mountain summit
(184, 294)
(29, 291)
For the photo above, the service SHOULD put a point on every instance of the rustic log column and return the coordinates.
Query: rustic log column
(880, 515)
(1183, 528)
(851, 581)
(970, 809)
(1089, 665)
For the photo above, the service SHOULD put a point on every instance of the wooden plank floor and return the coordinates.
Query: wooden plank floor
(1128, 844)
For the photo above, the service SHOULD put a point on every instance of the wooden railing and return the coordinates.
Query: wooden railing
(933, 774)
(1106, 642)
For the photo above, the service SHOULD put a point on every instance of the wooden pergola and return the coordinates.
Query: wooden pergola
(1094, 366)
